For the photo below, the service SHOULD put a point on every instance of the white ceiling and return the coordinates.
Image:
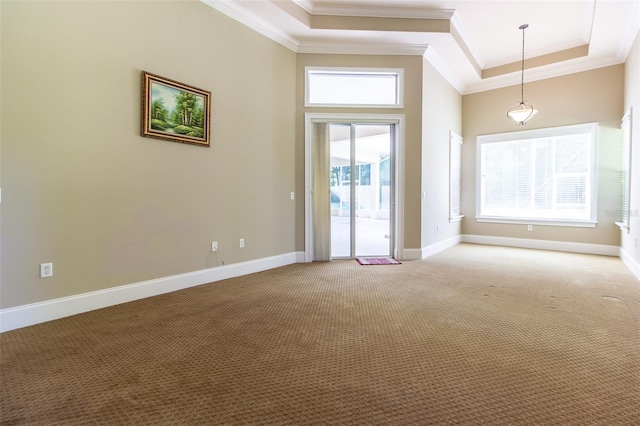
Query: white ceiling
(483, 34)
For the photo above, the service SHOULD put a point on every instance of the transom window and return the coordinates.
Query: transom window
(353, 87)
(545, 176)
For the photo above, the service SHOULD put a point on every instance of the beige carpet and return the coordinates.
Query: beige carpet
(473, 335)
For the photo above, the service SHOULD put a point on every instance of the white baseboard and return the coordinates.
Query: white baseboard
(411, 254)
(601, 249)
(35, 313)
(630, 262)
(424, 252)
(440, 246)
(300, 257)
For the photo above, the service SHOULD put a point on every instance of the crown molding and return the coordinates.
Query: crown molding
(341, 48)
(305, 4)
(632, 28)
(240, 14)
(466, 40)
(588, 21)
(436, 61)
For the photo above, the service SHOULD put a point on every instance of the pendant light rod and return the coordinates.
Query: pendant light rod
(522, 27)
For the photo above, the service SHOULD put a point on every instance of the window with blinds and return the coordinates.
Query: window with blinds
(544, 175)
(455, 176)
(625, 172)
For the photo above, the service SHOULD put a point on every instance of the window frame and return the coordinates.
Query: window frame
(534, 134)
(352, 71)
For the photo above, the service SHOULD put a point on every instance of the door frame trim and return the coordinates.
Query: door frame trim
(398, 156)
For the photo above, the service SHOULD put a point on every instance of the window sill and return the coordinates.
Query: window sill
(623, 226)
(378, 106)
(539, 222)
(455, 219)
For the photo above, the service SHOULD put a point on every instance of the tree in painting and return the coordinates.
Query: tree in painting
(185, 114)
(159, 115)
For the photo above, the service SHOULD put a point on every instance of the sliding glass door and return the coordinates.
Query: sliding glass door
(360, 189)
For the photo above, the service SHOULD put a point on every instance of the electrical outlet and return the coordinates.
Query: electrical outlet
(46, 270)
(293, 196)
(214, 246)
(241, 242)
(529, 227)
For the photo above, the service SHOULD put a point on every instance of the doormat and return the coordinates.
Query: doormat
(377, 261)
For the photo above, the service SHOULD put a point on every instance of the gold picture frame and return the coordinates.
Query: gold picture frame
(175, 111)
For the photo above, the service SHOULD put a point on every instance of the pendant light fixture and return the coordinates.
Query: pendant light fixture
(522, 112)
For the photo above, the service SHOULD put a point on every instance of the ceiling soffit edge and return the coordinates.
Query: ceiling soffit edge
(542, 73)
(338, 9)
(532, 54)
(382, 24)
(537, 61)
(341, 48)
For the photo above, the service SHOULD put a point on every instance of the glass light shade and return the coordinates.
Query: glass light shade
(521, 113)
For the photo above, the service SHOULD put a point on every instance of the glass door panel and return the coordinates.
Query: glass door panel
(340, 189)
(373, 190)
(360, 189)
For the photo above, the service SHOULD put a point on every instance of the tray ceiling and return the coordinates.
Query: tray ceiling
(475, 45)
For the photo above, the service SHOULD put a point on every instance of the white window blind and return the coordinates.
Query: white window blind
(545, 175)
(455, 176)
(625, 171)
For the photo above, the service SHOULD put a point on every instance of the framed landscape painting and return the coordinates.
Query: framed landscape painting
(175, 111)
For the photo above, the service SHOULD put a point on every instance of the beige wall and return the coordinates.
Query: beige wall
(592, 96)
(631, 240)
(442, 112)
(412, 110)
(82, 189)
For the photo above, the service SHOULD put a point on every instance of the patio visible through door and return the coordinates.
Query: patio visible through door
(360, 183)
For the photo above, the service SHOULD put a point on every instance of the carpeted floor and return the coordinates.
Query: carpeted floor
(473, 335)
